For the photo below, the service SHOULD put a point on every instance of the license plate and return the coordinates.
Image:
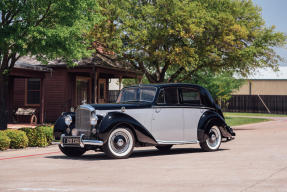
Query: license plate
(72, 140)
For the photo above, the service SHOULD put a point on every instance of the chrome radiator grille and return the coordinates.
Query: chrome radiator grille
(83, 121)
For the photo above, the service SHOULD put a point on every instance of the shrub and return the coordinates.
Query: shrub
(18, 138)
(48, 131)
(36, 137)
(4, 141)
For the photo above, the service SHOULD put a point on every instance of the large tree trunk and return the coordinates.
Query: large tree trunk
(3, 101)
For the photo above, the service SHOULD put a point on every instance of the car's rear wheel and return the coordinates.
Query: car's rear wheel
(72, 151)
(120, 143)
(163, 147)
(212, 139)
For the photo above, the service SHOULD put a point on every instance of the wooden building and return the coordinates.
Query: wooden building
(54, 88)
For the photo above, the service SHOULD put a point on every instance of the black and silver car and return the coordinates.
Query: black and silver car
(146, 115)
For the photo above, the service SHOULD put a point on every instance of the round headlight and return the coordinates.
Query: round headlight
(93, 119)
(68, 120)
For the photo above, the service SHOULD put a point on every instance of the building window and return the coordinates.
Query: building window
(33, 92)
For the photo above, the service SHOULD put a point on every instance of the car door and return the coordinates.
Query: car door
(167, 118)
(192, 112)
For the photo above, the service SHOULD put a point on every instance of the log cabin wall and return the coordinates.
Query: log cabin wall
(19, 96)
(57, 97)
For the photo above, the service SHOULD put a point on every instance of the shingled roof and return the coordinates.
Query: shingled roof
(98, 60)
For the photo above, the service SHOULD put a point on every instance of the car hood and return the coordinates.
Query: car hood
(119, 106)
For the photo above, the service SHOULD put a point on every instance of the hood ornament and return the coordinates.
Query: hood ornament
(123, 109)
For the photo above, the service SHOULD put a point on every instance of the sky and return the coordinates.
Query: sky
(274, 12)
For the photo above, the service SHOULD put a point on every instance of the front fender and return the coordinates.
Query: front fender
(204, 121)
(60, 126)
(114, 119)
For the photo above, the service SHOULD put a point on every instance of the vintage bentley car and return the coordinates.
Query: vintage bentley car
(158, 115)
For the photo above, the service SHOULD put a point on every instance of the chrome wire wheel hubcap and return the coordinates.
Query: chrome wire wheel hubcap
(214, 138)
(120, 142)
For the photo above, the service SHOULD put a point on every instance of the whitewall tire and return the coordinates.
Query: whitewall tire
(120, 143)
(212, 139)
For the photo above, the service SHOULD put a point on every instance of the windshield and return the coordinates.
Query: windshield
(137, 94)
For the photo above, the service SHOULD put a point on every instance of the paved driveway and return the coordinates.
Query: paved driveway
(255, 161)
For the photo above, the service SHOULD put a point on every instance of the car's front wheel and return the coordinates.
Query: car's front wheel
(212, 139)
(120, 143)
(72, 151)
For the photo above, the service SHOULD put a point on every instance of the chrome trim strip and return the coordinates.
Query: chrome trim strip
(82, 141)
(181, 106)
(92, 142)
(87, 107)
(176, 142)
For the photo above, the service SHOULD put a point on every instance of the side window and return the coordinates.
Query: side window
(190, 96)
(161, 97)
(171, 96)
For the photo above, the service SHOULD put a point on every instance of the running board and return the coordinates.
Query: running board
(176, 142)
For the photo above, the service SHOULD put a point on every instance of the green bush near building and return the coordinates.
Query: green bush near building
(40, 136)
(48, 131)
(4, 141)
(37, 138)
(18, 138)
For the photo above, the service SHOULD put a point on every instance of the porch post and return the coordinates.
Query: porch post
(120, 82)
(96, 75)
(42, 111)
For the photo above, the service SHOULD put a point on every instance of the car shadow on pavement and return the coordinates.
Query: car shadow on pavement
(136, 154)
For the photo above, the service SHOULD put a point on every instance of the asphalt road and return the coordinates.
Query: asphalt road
(255, 161)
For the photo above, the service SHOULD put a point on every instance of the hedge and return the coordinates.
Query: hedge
(33, 137)
(4, 141)
(18, 138)
(48, 131)
(36, 138)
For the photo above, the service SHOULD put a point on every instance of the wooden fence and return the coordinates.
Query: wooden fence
(253, 104)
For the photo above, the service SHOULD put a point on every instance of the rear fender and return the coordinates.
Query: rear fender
(206, 119)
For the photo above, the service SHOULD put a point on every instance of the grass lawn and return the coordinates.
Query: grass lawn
(234, 121)
(253, 114)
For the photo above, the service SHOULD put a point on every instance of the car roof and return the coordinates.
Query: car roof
(169, 85)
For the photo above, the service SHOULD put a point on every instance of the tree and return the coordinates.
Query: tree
(170, 40)
(220, 84)
(46, 29)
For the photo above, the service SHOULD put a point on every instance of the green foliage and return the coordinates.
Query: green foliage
(4, 141)
(36, 138)
(170, 40)
(45, 29)
(236, 121)
(18, 138)
(39, 136)
(48, 132)
(220, 85)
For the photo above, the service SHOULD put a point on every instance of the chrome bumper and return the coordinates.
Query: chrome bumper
(83, 142)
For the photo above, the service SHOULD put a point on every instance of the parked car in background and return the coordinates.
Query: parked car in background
(145, 115)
